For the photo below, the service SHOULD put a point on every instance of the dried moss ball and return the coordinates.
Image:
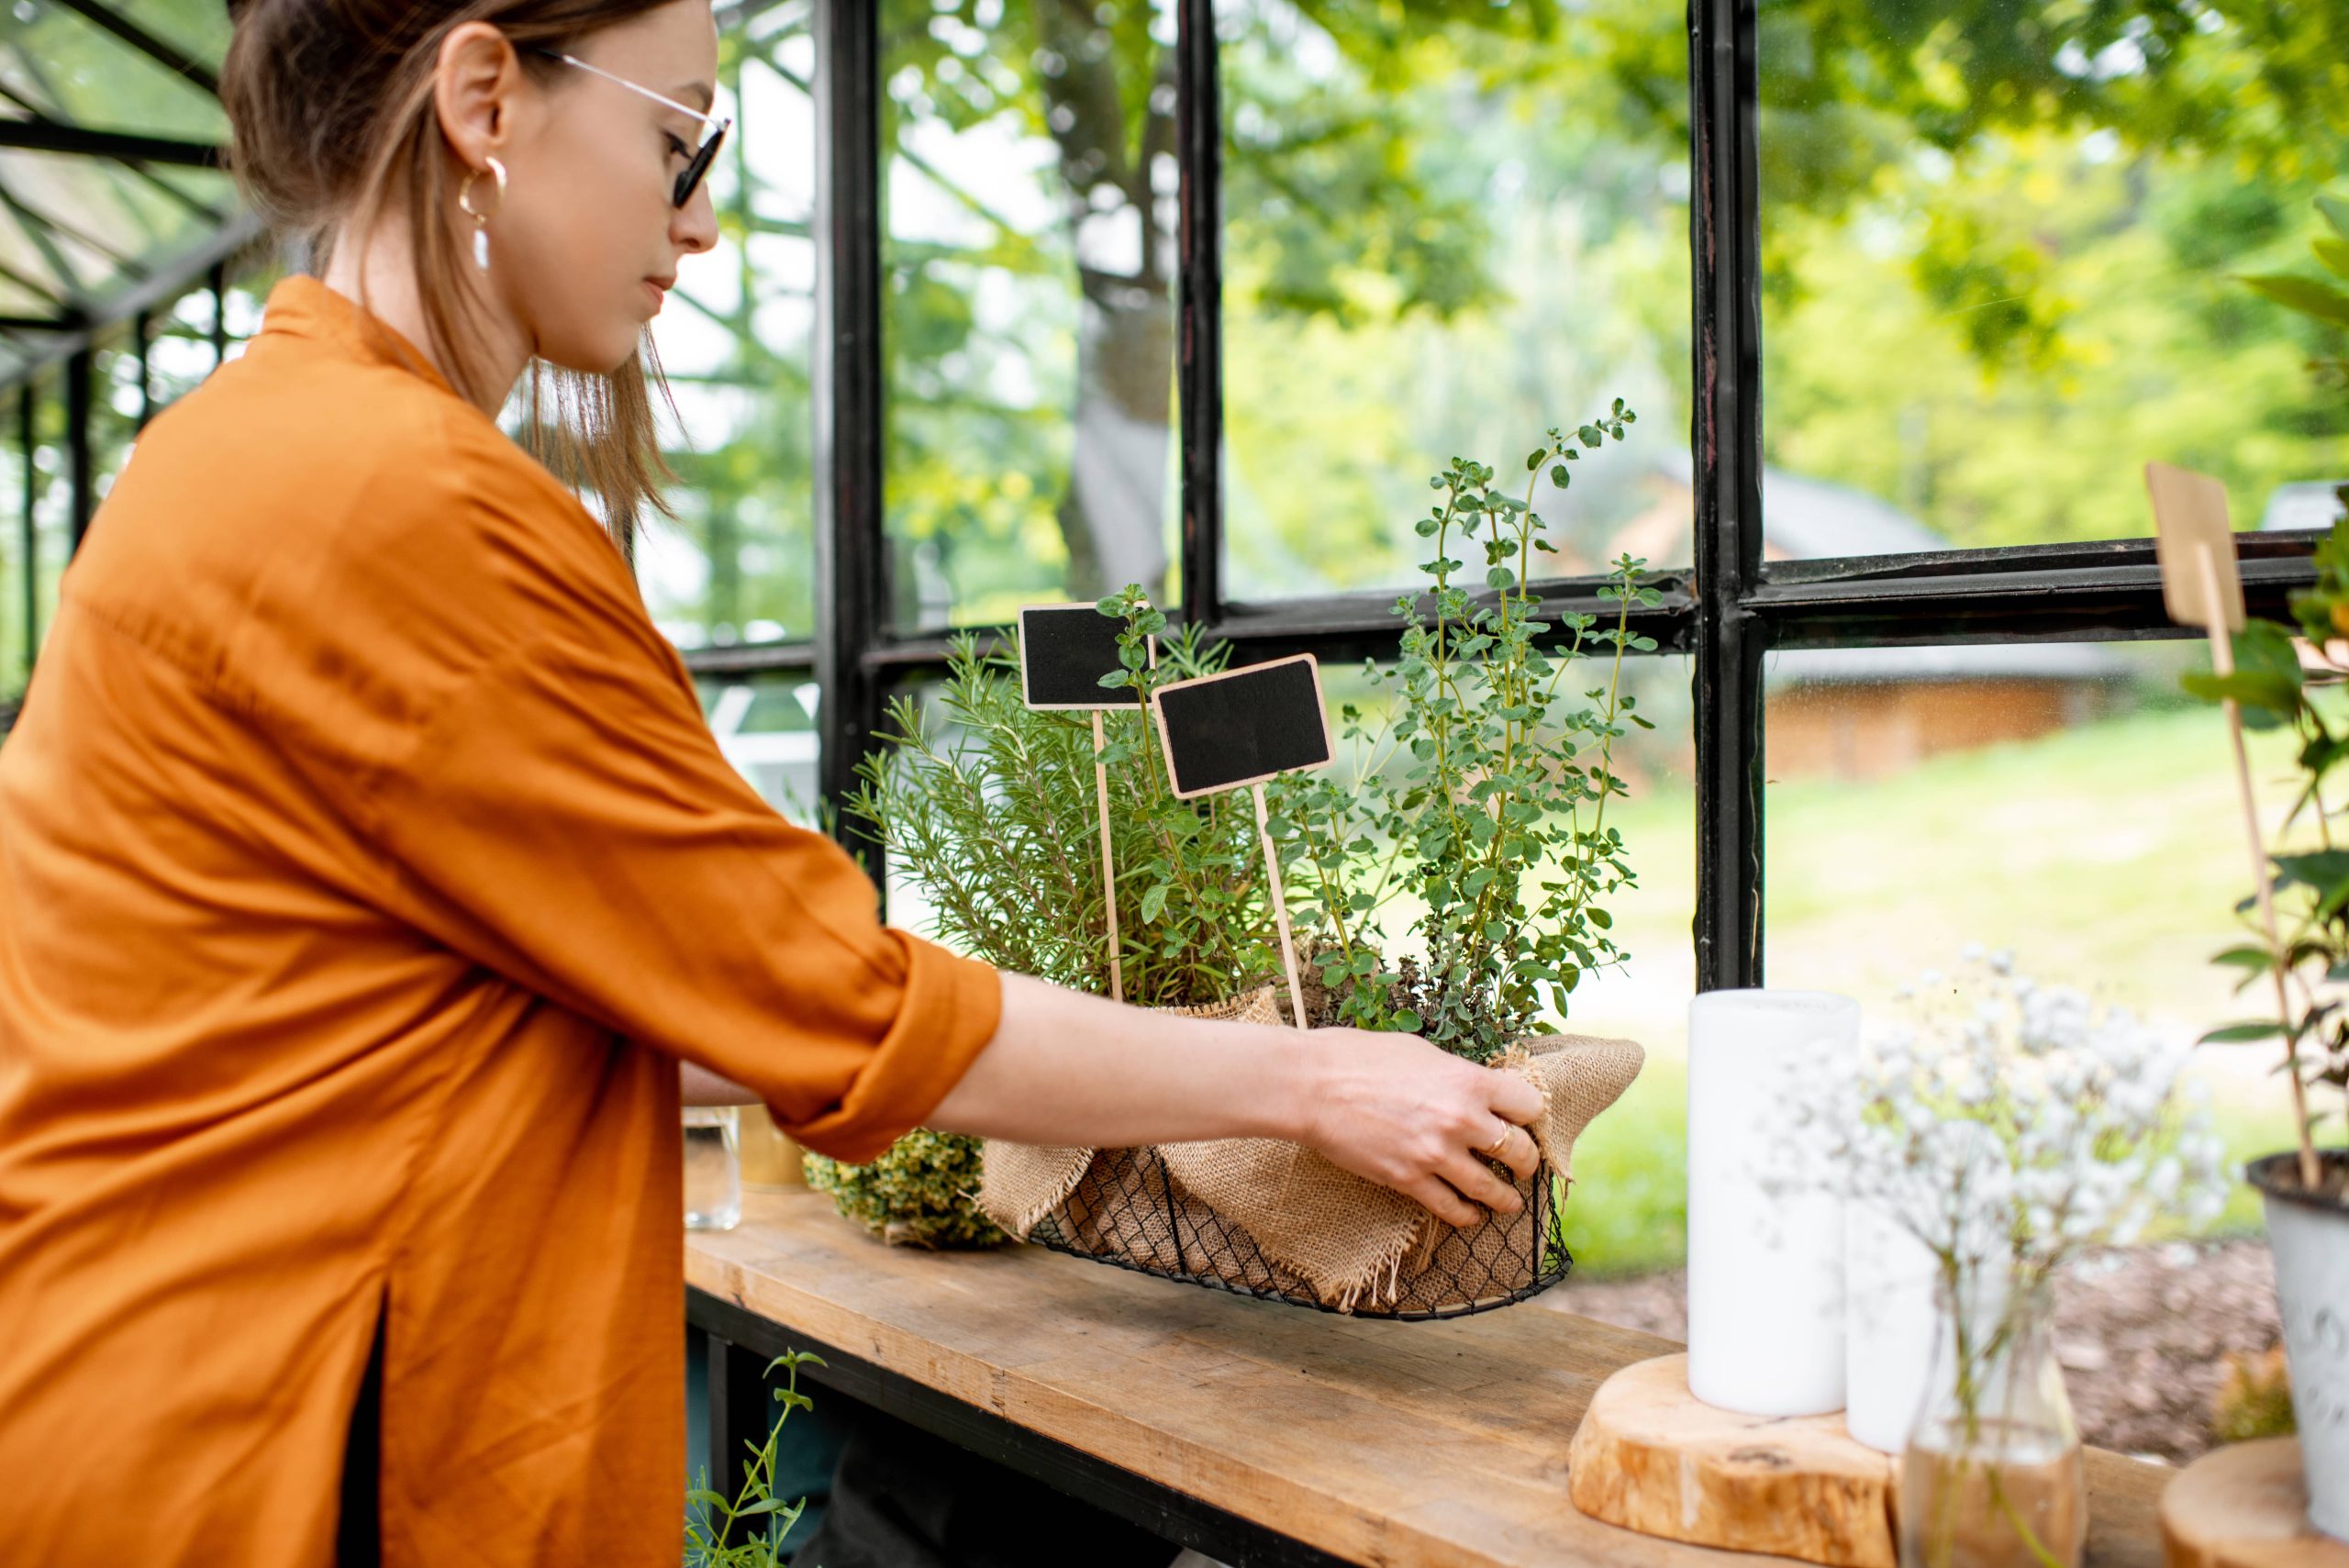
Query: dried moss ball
(923, 1192)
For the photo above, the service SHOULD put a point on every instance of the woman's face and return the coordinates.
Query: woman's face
(588, 239)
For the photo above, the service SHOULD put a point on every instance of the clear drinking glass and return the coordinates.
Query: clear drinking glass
(713, 1167)
(1993, 1477)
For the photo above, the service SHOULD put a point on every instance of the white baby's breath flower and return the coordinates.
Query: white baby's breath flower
(2008, 1123)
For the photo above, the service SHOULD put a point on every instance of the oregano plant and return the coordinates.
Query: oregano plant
(1485, 798)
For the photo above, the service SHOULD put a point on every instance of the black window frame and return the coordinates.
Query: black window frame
(1727, 613)
(1732, 610)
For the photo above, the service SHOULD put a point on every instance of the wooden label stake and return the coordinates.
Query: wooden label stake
(1064, 649)
(2202, 586)
(1237, 730)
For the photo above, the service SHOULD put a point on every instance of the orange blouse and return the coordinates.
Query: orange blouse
(368, 866)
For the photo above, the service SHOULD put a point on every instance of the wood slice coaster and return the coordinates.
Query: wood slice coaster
(2244, 1505)
(1651, 1457)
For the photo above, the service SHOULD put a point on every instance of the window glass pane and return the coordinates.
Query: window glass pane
(1029, 258)
(66, 68)
(2062, 800)
(738, 563)
(766, 727)
(2003, 251)
(1447, 229)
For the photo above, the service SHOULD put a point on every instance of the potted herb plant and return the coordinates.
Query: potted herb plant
(1482, 799)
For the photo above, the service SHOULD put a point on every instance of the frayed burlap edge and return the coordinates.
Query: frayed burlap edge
(1357, 1243)
(1020, 1183)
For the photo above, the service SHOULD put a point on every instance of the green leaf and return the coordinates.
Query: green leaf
(2255, 959)
(1409, 1022)
(2307, 295)
(2334, 254)
(2237, 1034)
(2336, 213)
(2327, 870)
(1155, 901)
(1533, 463)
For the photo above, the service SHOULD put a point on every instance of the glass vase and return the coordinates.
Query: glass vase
(713, 1168)
(1992, 1477)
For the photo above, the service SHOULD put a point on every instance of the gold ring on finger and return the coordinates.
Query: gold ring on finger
(1495, 1152)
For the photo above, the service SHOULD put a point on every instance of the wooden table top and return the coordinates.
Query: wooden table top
(1398, 1444)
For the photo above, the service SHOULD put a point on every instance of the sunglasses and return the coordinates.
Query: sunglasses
(690, 178)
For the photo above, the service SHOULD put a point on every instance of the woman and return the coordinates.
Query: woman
(369, 871)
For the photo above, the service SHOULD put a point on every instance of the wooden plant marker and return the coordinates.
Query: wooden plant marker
(1237, 729)
(2201, 586)
(1064, 649)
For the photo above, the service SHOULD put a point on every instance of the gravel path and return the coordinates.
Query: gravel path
(2142, 1333)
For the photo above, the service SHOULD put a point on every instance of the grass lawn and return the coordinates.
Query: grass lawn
(2109, 856)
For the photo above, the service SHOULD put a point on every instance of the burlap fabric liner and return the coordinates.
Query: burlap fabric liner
(1349, 1243)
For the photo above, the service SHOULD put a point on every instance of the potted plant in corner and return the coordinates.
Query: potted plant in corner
(2305, 1189)
(2281, 681)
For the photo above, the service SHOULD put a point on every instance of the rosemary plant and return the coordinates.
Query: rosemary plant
(993, 812)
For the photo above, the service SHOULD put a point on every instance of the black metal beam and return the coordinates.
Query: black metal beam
(172, 57)
(40, 323)
(1198, 134)
(81, 500)
(852, 563)
(29, 537)
(2116, 600)
(52, 136)
(218, 281)
(1176, 1516)
(1726, 439)
(142, 338)
(753, 659)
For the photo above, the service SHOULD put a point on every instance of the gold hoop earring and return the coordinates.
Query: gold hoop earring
(481, 219)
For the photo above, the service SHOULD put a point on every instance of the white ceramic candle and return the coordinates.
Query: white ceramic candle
(1888, 1327)
(1766, 1270)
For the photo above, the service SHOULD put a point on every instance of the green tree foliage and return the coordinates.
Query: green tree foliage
(1990, 227)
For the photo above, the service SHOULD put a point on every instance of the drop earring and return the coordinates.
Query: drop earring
(481, 219)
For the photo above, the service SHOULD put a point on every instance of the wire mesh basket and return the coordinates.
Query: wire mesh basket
(1129, 1210)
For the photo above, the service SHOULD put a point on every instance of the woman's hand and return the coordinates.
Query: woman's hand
(1412, 1116)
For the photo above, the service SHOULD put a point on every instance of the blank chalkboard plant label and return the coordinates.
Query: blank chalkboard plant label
(1064, 651)
(1492, 816)
(1238, 730)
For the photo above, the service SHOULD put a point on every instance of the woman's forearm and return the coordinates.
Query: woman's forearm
(1066, 1069)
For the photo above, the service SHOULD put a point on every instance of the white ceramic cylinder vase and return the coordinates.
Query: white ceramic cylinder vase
(1888, 1278)
(1765, 1269)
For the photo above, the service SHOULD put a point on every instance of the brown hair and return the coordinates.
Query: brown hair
(330, 118)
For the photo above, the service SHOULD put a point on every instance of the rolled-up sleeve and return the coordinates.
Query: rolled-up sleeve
(567, 820)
